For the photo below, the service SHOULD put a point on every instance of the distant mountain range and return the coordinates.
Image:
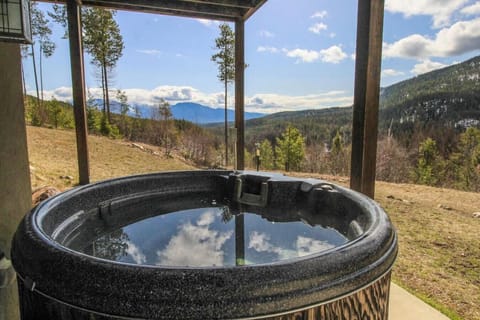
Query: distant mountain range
(189, 111)
(448, 96)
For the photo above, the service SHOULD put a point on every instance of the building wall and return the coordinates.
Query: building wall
(15, 188)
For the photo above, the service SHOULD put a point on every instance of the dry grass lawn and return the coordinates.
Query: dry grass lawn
(53, 158)
(439, 257)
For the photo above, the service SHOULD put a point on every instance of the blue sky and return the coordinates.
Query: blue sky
(300, 53)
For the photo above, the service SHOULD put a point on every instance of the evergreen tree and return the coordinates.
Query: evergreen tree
(468, 158)
(290, 149)
(429, 165)
(124, 108)
(103, 41)
(56, 113)
(93, 119)
(266, 155)
(166, 136)
(41, 33)
(225, 59)
(338, 157)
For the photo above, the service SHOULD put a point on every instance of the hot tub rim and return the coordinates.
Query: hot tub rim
(384, 256)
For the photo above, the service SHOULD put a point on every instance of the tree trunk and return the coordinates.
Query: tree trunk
(39, 107)
(226, 124)
(103, 93)
(23, 82)
(41, 71)
(106, 92)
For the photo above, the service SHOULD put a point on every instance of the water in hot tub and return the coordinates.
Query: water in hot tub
(212, 236)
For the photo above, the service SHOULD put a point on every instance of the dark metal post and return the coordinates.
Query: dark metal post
(239, 239)
(78, 87)
(366, 96)
(257, 155)
(240, 91)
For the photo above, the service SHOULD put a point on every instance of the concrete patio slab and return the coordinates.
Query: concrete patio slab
(405, 306)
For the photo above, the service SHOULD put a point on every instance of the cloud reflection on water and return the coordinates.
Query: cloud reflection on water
(195, 244)
(303, 246)
(135, 253)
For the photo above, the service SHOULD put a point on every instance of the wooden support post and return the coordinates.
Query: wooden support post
(240, 92)
(366, 96)
(16, 191)
(78, 87)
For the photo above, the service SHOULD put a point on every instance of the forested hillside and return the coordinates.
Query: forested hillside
(428, 130)
(458, 79)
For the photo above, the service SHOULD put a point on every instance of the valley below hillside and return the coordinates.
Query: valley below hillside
(439, 256)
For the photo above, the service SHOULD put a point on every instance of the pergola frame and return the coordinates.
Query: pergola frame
(15, 198)
(367, 73)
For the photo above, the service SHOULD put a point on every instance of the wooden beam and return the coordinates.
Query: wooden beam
(253, 9)
(176, 8)
(78, 88)
(228, 10)
(163, 11)
(240, 91)
(247, 4)
(366, 96)
(192, 7)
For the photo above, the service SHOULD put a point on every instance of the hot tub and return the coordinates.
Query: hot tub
(205, 245)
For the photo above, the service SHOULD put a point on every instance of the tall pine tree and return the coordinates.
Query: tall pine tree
(225, 59)
(103, 41)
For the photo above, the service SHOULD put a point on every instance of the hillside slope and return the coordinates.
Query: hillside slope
(461, 78)
(53, 161)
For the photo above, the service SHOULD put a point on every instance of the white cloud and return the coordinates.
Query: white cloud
(303, 246)
(266, 34)
(195, 245)
(306, 246)
(304, 55)
(426, 66)
(206, 219)
(271, 102)
(319, 14)
(209, 23)
(460, 38)
(318, 27)
(440, 10)
(392, 73)
(332, 35)
(334, 54)
(267, 49)
(260, 102)
(472, 10)
(413, 46)
(135, 253)
(151, 52)
(260, 242)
